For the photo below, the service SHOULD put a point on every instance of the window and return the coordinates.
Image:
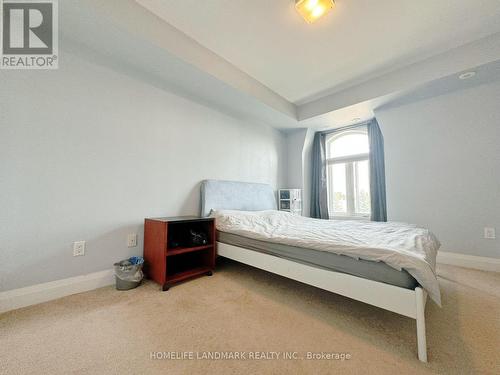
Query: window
(348, 173)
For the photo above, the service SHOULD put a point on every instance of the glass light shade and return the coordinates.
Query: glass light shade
(311, 10)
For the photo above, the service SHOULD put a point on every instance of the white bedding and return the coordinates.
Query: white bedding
(399, 245)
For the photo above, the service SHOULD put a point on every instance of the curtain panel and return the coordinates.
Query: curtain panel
(377, 173)
(319, 193)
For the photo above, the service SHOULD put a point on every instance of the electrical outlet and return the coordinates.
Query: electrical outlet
(132, 240)
(78, 248)
(489, 233)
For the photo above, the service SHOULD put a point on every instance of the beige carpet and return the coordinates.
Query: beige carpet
(245, 309)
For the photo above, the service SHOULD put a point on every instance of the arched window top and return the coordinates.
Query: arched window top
(349, 143)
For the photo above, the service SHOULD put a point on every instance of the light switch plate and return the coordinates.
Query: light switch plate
(132, 240)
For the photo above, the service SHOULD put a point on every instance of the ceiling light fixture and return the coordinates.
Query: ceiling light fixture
(311, 10)
(467, 75)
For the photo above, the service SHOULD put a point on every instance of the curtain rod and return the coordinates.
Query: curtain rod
(353, 126)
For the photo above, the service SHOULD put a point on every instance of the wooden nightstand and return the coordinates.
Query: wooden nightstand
(171, 256)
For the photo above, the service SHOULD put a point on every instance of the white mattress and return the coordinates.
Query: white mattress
(399, 245)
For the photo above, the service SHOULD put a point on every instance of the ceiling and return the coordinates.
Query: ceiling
(124, 36)
(365, 110)
(357, 41)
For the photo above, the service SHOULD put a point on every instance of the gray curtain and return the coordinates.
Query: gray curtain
(319, 194)
(377, 173)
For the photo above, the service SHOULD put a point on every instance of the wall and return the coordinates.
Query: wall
(295, 144)
(442, 166)
(87, 153)
(299, 148)
(307, 170)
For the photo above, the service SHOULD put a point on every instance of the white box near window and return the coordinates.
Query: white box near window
(290, 200)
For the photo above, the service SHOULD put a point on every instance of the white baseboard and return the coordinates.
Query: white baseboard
(469, 261)
(31, 295)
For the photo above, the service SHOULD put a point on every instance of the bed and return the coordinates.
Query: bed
(388, 265)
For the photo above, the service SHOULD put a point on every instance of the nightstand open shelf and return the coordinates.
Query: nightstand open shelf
(171, 254)
(180, 276)
(182, 250)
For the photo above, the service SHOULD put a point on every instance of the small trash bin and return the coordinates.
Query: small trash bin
(128, 273)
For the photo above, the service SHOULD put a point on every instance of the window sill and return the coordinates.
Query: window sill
(360, 218)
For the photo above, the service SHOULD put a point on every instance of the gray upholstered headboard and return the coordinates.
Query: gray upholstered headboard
(235, 195)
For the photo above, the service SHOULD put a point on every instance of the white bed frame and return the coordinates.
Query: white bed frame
(235, 195)
(407, 302)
